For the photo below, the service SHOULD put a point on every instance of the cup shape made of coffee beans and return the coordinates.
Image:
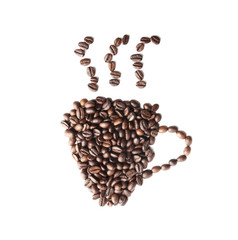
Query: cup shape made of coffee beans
(111, 142)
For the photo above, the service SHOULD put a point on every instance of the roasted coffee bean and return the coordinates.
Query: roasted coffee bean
(145, 40)
(123, 200)
(155, 39)
(136, 57)
(93, 87)
(145, 114)
(80, 52)
(91, 71)
(139, 180)
(94, 169)
(94, 80)
(115, 198)
(102, 201)
(89, 39)
(156, 169)
(187, 150)
(139, 74)
(115, 74)
(125, 39)
(181, 158)
(90, 104)
(131, 186)
(172, 129)
(165, 167)
(147, 174)
(85, 61)
(104, 124)
(188, 140)
(114, 82)
(83, 45)
(163, 129)
(117, 42)
(181, 134)
(173, 162)
(141, 84)
(140, 47)
(65, 124)
(113, 49)
(108, 57)
(112, 66)
(138, 65)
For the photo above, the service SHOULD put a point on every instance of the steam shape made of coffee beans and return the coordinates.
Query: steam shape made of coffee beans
(113, 48)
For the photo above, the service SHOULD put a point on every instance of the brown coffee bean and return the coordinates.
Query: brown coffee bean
(141, 84)
(115, 199)
(94, 169)
(113, 49)
(117, 42)
(138, 65)
(115, 74)
(145, 114)
(172, 129)
(107, 136)
(188, 140)
(131, 186)
(173, 162)
(102, 201)
(165, 167)
(181, 134)
(108, 57)
(187, 151)
(155, 107)
(136, 57)
(181, 158)
(139, 74)
(65, 124)
(91, 71)
(139, 132)
(85, 61)
(112, 66)
(145, 40)
(83, 45)
(140, 47)
(94, 80)
(123, 200)
(147, 174)
(156, 169)
(122, 157)
(125, 39)
(104, 124)
(155, 39)
(117, 122)
(93, 87)
(139, 180)
(114, 82)
(89, 39)
(80, 52)
(163, 129)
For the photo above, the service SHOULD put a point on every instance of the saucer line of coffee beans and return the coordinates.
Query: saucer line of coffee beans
(91, 71)
(137, 58)
(111, 142)
(115, 81)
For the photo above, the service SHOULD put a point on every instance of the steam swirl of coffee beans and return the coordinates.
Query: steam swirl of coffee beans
(111, 142)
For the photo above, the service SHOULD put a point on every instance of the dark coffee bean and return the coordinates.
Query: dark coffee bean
(187, 150)
(123, 200)
(155, 107)
(141, 84)
(156, 169)
(131, 173)
(145, 114)
(155, 39)
(94, 80)
(145, 40)
(122, 157)
(173, 162)
(116, 149)
(65, 124)
(188, 140)
(112, 66)
(113, 49)
(117, 42)
(131, 186)
(139, 180)
(125, 39)
(115, 74)
(102, 201)
(93, 87)
(114, 82)
(89, 39)
(85, 61)
(83, 45)
(87, 133)
(96, 196)
(94, 169)
(91, 71)
(163, 129)
(165, 167)
(147, 174)
(158, 117)
(115, 199)
(108, 57)
(181, 134)
(139, 74)
(139, 167)
(117, 122)
(136, 57)
(80, 52)
(104, 124)
(138, 65)
(140, 47)
(107, 136)
(181, 158)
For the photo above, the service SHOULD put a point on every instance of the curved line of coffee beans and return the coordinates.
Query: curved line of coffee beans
(91, 71)
(137, 58)
(115, 81)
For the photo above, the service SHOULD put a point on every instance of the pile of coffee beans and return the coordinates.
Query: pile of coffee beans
(111, 142)
(91, 71)
(137, 58)
(115, 81)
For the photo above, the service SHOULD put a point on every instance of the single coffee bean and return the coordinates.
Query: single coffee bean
(89, 39)
(91, 71)
(165, 167)
(115, 74)
(187, 150)
(94, 80)
(108, 57)
(80, 52)
(104, 124)
(155, 39)
(181, 158)
(172, 129)
(115, 199)
(85, 61)
(188, 140)
(93, 87)
(145, 114)
(83, 45)
(114, 82)
(141, 84)
(145, 40)
(125, 39)
(181, 134)
(156, 169)
(117, 42)
(96, 196)
(112, 66)
(102, 201)
(140, 47)
(117, 122)
(94, 169)
(173, 162)
(113, 49)
(163, 129)
(139, 180)
(139, 132)
(147, 174)
(131, 186)
(155, 107)
(65, 124)
(139, 74)
(136, 57)
(138, 65)
(123, 200)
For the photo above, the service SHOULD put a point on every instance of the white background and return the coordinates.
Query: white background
(192, 74)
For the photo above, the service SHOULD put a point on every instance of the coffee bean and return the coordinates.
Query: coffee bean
(80, 52)
(173, 162)
(155, 107)
(85, 61)
(102, 201)
(156, 169)
(125, 39)
(115, 199)
(93, 87)
(113, 49)
(108, 57)
(138, 65)
(139, 74)
(139, 180)
(94, 79)
(145, 114)
(181, 158)
(188, 140)
(65, 124)
(145, 40)
(91, 71)
(112, 66)
(181, 134)
(147, 174)
(140, 47)
(163, 129)
(83, 45)
(172, 129)
(136, 57)
(131, 186)
(89, 40)
(165, 167)
(141, 84)
(187, 151)
(155, 39)
(117, 42)
(115, 74)
(94, 169)
(123, 200)
(114, 82)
